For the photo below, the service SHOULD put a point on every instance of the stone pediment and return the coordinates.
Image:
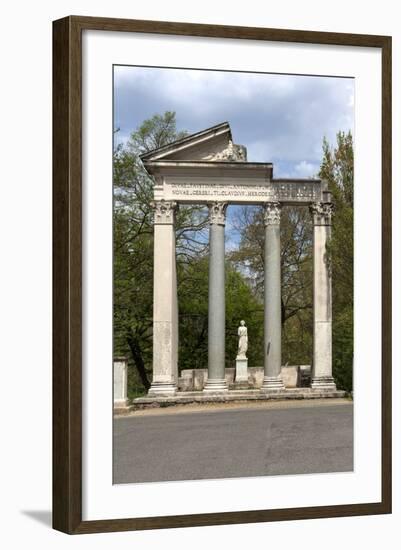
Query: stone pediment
(214, 144)
(208, 166)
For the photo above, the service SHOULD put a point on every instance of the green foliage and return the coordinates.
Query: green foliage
(343, 348)
(338, 169)
(154, 133)
(193, 314)
(296, 275)
(241, 303)
(296, 265)
(133, 246)
(133, 267)
(133, 251)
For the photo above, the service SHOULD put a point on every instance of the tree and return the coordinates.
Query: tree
(338, 169)
(133, 268)
(154, 133)
(193, 314)
(296, 274)
(133, 244)
(296, 264)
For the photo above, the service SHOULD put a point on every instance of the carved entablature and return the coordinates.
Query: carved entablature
(272, 213)
(217, 213)
(164, 211)
(208, 167)
(321, 213)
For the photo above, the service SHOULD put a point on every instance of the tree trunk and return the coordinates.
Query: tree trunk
(138, 360)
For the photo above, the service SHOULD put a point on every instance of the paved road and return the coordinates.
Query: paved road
(234, 443)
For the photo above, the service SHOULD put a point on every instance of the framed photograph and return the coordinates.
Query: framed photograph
(222, 275)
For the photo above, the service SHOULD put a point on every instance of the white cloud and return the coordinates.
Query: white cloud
(305, 169)
(279, 118)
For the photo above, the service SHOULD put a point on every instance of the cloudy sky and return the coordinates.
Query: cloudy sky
(279, 118)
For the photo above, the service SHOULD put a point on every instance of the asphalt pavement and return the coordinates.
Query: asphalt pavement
(233, 443)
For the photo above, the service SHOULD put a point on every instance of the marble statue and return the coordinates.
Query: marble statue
(243, 341)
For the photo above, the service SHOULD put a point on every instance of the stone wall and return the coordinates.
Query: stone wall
(293, 377)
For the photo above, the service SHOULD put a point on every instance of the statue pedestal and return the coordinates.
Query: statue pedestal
(241, 372)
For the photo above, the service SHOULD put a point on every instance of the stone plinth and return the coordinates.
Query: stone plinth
(120, 370)
(241, 372)
(182, 398)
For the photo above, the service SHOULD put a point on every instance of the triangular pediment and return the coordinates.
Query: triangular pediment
(212, 144)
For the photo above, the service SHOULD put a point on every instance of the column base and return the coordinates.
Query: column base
(272, 383)
(162, 388)
(217, 385)
(323, 383)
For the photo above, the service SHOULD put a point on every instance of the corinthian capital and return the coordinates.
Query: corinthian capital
(321, 213)
(217, 213)
(272, 213)
(164, 211)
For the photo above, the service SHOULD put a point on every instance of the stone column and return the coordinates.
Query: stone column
(322, 378)
(165, 309)
(272, 315)
(216, 380)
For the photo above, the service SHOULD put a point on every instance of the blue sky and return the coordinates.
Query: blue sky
(279, 118)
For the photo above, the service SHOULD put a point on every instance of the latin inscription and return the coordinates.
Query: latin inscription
(291, 191)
